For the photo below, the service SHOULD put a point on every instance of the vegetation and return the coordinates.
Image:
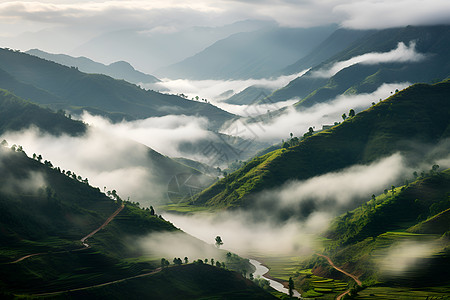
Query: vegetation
(372, 134)
(62, 87)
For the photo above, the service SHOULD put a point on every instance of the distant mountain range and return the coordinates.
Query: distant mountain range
(256, 54)
(153, 49)
(432, 42)
(62, 87)
(117, 70)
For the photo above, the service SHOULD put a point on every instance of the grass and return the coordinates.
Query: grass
(401, 293)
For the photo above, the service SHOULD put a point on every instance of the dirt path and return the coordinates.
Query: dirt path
(111, 217)
(358, 282)
(99, 285)
(340, 270)
(83, 240)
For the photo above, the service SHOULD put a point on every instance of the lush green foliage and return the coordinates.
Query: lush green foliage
(58, 86)
(419, 114)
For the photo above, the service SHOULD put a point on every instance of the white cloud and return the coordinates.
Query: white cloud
(105, 159)
(259, 231)
(402, 53)
(379, 14)
(163, 134)
(212, 89)
(406, 256)
(298, 122)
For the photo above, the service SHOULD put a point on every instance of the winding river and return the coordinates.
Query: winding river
(262, 270)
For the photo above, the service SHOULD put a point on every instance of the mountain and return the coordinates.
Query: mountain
(44, 214)
(419, 113)
(338, 41)
(153, 49)
(17, 114)
(430, 41)
(257, 54)
(117, 70)
(73, 90)
(363, 237)
(250, 95)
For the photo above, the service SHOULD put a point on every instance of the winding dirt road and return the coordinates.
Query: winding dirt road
(83, 240)
(157, 270)
(358, 282)
(111, 217)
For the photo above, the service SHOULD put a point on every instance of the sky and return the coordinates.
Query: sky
(86, 19)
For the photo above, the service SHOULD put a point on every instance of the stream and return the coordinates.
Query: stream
(262, 270)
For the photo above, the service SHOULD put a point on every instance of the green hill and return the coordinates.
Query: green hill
(376, 243)
(438, 224)
(17, 114)
(118, 70)
(399, 210)
(46, 213)
(73, 90)
(419, 113)
(433, 41)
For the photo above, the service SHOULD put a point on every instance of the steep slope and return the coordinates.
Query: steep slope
(45, 213)
(97, 93)
(257, 54)
(374, 242)
(432, 41)
(417, 114)
(17, 114)
(335, 43)
(117, 70)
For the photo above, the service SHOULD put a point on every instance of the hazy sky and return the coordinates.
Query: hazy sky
(94, 17)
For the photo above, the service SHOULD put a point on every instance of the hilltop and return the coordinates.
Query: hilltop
(417, 114)
(117, 70)
(61, 87)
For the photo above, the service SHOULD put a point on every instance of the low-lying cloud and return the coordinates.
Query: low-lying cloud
(106, 160)
(406, 256)
(286, 220)
(402, 53)
(213, 89)
(298, 122)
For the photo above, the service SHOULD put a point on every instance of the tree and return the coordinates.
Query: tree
(219, 242)
(393, 190)
(218, 264)
(212, 261)
(373, 197)
(4, 143)
(186, 260)
(291, 134)
(291, 287)
(152, 211)
(344, 116)
(351, 113)
(163, 262)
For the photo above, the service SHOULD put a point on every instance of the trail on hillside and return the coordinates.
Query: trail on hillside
(157, 270)
(358, 282)
(83, 240)
(111, 217)
(340, 270)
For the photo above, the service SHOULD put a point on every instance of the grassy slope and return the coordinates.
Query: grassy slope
(419, 113)
(52, 220)
(192, 281)
(361, 237)
(17, 114)
(98, 92)
(432, 40)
